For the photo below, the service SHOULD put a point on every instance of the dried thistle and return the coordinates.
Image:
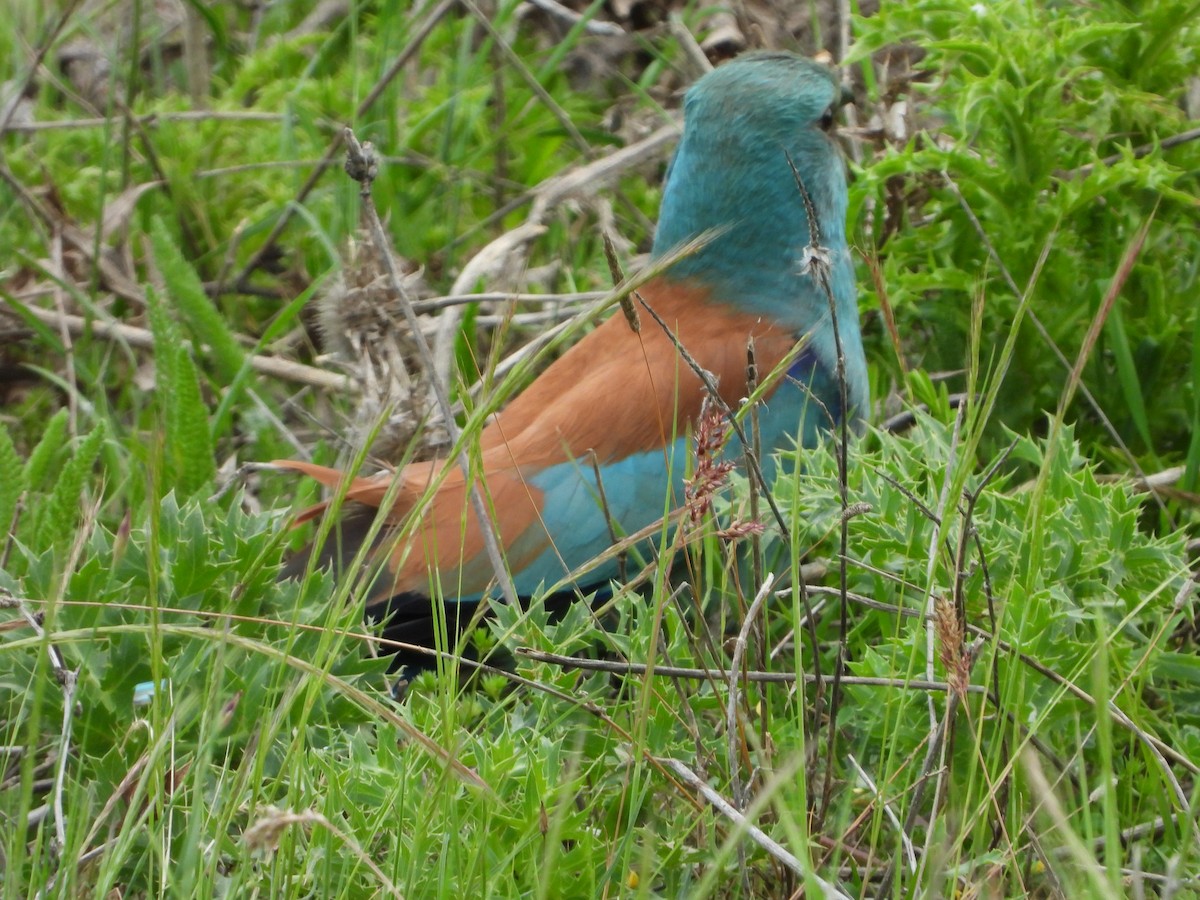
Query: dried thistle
(361, 322)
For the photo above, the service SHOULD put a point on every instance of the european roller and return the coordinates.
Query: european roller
(756, 157)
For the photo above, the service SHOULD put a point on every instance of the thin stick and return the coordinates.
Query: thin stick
(153, 119)
(140, 337)
(361, 166)
(691, 674)
(1144, 150)
(574, 19)
(752, 831)
(817, 263)
(731, 702)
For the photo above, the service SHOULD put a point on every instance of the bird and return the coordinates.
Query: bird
(597, 445)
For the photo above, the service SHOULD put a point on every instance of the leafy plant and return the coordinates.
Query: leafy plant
(1017, 713)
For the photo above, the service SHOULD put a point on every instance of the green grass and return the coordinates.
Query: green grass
(1005, 556)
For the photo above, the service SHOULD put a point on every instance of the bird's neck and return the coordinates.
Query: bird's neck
(725, 181)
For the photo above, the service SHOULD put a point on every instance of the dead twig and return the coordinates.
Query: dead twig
(753, 677)
(275, 366)
(755, 833)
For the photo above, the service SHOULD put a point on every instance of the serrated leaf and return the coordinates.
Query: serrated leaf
(167, 344)
(61, 513)
(189, 442)
(47, 450)
(187, 294)
(12, 479)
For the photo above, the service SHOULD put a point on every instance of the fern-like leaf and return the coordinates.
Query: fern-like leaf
(61, 512)
(46, 451)
(187, 293)
(189, 442)
(12, 479)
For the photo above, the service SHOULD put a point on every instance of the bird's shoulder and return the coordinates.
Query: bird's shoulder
(621, 391)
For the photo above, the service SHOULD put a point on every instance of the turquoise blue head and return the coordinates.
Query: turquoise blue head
(743, 122)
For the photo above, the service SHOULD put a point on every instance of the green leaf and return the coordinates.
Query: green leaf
(185, 288)
(61, 513)
(189, 441)
(167, 344)
(1127, 375)
(12, 479)
(1183, 667)
(47, 450)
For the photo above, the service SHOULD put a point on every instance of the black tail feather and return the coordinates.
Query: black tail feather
(408, 618)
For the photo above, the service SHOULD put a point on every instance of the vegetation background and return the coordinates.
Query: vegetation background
(989, 686)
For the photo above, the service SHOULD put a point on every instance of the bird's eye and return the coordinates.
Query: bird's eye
(826, 120)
